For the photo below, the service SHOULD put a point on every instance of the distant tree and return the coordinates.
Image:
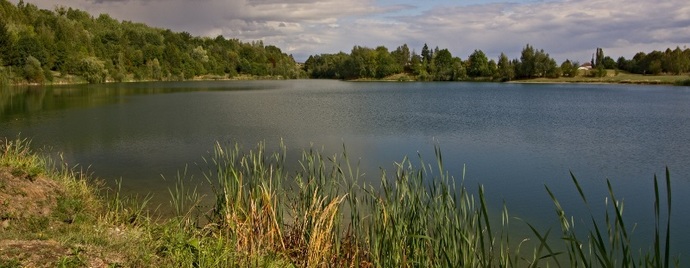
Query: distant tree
(599, 67)
(609, 63)
(505, 70)
(478, 65)
(33, 73)
(5, 41)
(401, 56)
(361, 63)
(417, 67)
(155, 70)
(552, 70)
(623, 64)
(426, 54)
(93, 70)
(443, 63)
(527, 63)
(385, 63)
(569, 68)
(545, 66)
(599, 58)
(655, 67)
(493, 67)
(459, 70)
(674, 61)
(26, 46)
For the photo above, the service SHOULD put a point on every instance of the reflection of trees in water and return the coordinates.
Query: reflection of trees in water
(32, 99)
(15, 100)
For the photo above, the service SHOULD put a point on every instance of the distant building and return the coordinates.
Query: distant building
(585, 66)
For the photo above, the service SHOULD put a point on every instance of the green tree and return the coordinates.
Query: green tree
(505, 69)
(478, 65)
(609, 63)
(402, 56)
(655, 67)
(674, 61)
(155, 70)
(93, 70)
(5, 41)
(361, 63)
(569, 68)
(426, 54)
(443, 63)
(526, 68)
(385, 63)
(459, 71)
(545, 66)
(599, 58)
(493, 68)
(33, 73)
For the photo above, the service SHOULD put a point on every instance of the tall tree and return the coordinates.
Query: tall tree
(385, 63)
(506, 71)
(478, 64)
(5, 42)
(599, 70)
(402, 55)
(569, 68)
(426, 54)
(527, 63)
(443, 63)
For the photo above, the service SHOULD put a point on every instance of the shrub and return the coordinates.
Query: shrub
(93, 70)
(33, 73)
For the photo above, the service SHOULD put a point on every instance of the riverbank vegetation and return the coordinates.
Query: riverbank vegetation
(71, 46)
(259, 214)
(403, 64)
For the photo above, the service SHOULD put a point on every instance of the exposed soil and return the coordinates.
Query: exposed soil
(24, 197)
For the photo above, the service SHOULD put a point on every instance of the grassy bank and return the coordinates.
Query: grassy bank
(618, 77)
(323, 215)
(612, 77)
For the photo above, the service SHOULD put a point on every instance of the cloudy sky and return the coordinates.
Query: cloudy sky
(566, 29)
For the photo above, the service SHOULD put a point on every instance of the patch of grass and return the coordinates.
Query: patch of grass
(17, 154)
(616, 77)
(74, 259)
(11, 263)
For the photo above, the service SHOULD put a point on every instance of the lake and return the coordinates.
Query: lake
(512, 138)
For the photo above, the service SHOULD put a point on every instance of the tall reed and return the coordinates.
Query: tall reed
(608, 243)
(323, 213)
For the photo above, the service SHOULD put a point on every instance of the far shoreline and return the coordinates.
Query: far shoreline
(624, 79)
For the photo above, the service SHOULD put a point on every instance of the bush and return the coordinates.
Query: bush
(93, 70)
(598, 72)
(33, 73)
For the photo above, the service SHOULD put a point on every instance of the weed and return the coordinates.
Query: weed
(11, 263)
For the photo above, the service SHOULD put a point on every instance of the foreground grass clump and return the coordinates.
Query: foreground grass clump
(319, 213)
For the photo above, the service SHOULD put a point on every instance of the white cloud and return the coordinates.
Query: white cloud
(565, 29)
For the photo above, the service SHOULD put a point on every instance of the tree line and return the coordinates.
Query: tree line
(36, 45)
(441, 65)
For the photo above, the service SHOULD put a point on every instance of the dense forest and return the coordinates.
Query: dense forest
(441, 65)
(38, 45)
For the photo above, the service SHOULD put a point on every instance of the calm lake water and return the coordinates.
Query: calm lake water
(513, 138)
